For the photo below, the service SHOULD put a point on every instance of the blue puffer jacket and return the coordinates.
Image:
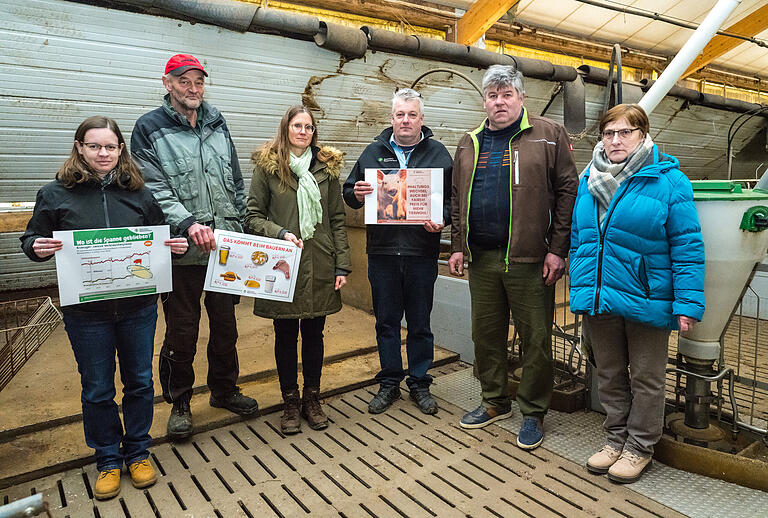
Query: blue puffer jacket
(647, 264)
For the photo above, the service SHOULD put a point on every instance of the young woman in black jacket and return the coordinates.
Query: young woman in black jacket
(100, 187)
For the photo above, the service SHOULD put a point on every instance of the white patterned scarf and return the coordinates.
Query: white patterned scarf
(606, 176)
(307, 195)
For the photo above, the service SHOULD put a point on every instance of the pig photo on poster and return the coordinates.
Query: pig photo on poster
(404, 196)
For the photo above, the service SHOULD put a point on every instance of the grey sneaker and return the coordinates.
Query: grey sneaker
(180, 421)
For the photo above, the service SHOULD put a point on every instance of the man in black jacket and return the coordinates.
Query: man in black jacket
(402, 259)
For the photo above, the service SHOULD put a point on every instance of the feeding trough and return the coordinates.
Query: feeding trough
(734, 225)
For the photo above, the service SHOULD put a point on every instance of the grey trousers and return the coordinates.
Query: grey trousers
(631, 359)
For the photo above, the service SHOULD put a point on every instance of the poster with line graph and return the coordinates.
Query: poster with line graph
(112, 263)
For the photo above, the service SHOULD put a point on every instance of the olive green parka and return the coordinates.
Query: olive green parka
(272, 208)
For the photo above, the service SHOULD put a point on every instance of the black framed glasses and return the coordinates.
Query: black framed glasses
(623, 133)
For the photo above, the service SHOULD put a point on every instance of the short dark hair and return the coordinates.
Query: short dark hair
(634, 114)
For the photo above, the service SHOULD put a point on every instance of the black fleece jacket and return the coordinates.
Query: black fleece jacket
(87, 206)
(412, 240)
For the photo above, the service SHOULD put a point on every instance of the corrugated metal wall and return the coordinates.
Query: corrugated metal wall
(62, 62)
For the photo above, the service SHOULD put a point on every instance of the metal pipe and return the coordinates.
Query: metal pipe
(381, 39)
(351, 43)
(661, 18)
(285, 22)
(448, 71)
(687, 54)
(224, 13)
(29, 506)
(698, 395)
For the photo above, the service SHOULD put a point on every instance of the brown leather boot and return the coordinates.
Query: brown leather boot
(311, 409)
(290, 421)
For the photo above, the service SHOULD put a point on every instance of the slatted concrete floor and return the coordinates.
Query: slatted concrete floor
(401, 463)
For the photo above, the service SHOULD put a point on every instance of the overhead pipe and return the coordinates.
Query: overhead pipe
(382, 39)
(349, 42)
(285, 22)
(242, 16)
(229, 14)
(666, 19)
(688, 53)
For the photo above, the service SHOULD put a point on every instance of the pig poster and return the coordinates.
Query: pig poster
(404, 196)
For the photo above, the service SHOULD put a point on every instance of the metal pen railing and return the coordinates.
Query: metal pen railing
(744, 361)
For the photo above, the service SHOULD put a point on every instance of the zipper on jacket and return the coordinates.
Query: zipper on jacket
(517, 169)
(602, 233)
(104, 206)
(517, 181)
(476, 149)
(643, 276)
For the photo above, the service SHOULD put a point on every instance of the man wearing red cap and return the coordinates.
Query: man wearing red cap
(189, 162)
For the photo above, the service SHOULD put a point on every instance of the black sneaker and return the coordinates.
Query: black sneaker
(180, 421)
(384, 399)
(424, 400)
(236, 402)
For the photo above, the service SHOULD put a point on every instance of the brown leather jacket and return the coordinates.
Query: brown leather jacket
(542, 182)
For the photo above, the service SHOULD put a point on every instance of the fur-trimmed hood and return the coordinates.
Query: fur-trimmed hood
(265, 158)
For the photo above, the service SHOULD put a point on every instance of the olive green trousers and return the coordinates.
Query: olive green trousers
(498, 290)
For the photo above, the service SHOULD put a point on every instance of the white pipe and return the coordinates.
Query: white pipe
(688, 53)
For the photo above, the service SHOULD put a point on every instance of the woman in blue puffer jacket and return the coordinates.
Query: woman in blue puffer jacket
(636, 272)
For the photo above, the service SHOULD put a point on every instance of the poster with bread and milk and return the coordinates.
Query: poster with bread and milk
(404, 196)
(253, 266)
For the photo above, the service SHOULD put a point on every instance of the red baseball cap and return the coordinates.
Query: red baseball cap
(180, 63)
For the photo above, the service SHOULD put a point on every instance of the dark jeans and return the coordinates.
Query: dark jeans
(286, 357)
(496, 290)
(94, 341)
(403, 284)
(182, 322)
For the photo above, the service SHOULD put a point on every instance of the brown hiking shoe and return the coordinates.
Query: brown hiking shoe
(311, 409)
(290, 421)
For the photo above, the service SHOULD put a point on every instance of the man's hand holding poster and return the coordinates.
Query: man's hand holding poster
(404, 196)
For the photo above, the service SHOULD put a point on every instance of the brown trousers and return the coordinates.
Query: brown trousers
(631, 359)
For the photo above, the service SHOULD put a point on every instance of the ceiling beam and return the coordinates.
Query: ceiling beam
(480, 17)
(749, 26)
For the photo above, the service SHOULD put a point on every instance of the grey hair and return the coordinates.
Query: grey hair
(407, 94)
(503, 76)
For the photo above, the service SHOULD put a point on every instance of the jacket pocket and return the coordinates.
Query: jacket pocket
(643, 276)
(182, 178)
(226, 173)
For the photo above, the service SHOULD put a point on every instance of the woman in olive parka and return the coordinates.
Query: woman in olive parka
(295, 195)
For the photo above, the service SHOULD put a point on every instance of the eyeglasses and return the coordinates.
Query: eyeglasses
(622, 133)
(92, 146)
(297, 126)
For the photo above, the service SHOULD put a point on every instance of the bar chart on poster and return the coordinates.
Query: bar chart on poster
(112, 263)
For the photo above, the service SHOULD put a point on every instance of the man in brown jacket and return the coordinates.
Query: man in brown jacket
(514, 186)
